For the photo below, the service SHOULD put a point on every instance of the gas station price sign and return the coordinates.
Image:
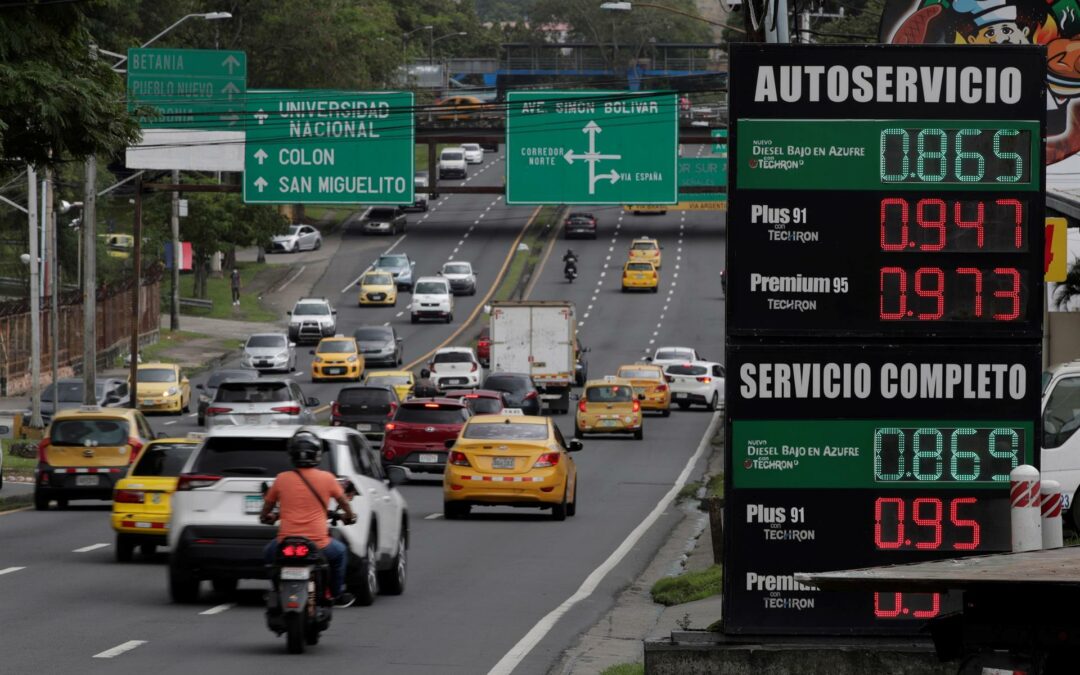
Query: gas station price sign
(884, 316)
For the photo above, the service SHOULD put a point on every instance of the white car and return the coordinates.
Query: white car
(298, 238)
(452, 163)
(474, 154)
(665, 355)
(431, 299)
(696, 383)
(455, 368)
(215, 532)
(461, 276)
(268, 352)
(312, 319)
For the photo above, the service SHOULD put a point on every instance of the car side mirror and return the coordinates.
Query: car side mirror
(449, 443)
(574, 445)
(395, 475)
(311, 351)
(312, 402)
(200, 386)
(648, 359)
(291, 345)
(162, 435)
(333, 311)
(399, 339)
(289, 312)
(641, 397)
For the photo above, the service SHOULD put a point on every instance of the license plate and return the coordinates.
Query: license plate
(335, 371)
(295, 573)
(363, 427)
(456, 380)
(86, 481)
(264, 364)
(253, 503)
(502, 463)
(429, 459)
(144, 525)
(252, 419)
(609, 423)
(148, 401)
(681, 395)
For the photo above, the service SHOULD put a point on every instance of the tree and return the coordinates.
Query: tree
(1069, 289)
(57, 101)
(860, 24)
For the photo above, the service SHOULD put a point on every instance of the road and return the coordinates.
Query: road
(476, 587)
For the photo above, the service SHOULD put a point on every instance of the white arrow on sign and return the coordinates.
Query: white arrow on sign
(261, 155)
(592, 128)
(261, 183)
(613, 176)
(230, 89)
(231, 62)
(261, 116)
(592, 157)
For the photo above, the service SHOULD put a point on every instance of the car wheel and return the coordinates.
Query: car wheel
(202, 421)
(714, 401)
(41, 502)
(125, 548)
(655, 289)
(183, 587)
(392, 581)
(578, 433)
(455, 510)
(368, 587)
(224, 586)
(62, 504)
(683, 405)
(571, 508)
(187, 406)
(639, 434)
(558, 512)
(449, 318)
(400, 359)
(318, 243)
(296, 247)
(148, 550)
(666, 412)
(413, 318)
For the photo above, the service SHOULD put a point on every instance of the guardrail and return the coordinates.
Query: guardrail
(196, 303)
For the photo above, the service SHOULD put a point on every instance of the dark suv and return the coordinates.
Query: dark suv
(384, 220)
(520, 390)
(580, 225)
(366, 408)
(416, 438)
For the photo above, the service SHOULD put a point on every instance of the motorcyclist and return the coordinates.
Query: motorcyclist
(424, 387)
(304, 495)
(569, 261)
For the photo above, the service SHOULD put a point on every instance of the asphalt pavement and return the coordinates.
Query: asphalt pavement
(476, 587)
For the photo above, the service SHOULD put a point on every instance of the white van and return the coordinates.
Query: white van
(431, 299)
(1060, 443)
(452, 163)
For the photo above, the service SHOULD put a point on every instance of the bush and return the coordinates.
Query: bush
(24, 449)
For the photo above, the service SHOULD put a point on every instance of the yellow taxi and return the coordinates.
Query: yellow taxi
(640, 275)
(377, 287)
(85, 451)
(401, 380)
(118, 245)
(648, 381)
(645, 249)
(337, 358)
(141, 499)
(510, 460)
(609, 406)
(162, 387)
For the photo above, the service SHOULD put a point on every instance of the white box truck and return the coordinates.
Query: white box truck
(538, 338)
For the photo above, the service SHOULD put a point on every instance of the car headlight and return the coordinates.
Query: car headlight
(352, 359)
(282, 356)
(318, 359)
(172, 391)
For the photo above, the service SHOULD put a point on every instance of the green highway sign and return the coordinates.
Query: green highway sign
(329, 147)
(190, 88)
(591, 147)
(701, 171)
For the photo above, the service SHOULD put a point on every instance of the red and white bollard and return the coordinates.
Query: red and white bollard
(1050, 493)
(1026, 514)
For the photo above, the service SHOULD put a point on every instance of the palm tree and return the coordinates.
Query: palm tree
(1070, 288)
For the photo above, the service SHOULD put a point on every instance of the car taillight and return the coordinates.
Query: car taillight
(217, 411)
(547, 459)
(287, 409)
(654, 274)
(473, 369)
(637, 406)
(661, 387)
(667, 378)
(295, 551)
(388, 454)
(41, 450)
(192, 481)
(129, 497)
(483, 343)
(431, 405)
(459, 459)
(530, 396)
(335, 409)
(390, 414)
(136, 448)
(581, 405)
(390, 426)
(706, 379)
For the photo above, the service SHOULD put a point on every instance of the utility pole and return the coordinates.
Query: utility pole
(174, 295)
(136, 257)
(35, 304)
(776, 22)
(89, 282)
(52, 262)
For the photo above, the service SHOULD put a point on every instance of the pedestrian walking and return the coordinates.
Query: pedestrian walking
(235, 277)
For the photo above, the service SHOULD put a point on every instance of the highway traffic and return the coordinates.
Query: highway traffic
(480, 591)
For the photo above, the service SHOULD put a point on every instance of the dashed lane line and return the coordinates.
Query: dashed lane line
(91, 547)
(218, 609)
(292, 278)
(433, 516)
(119, 649)
(9, 570)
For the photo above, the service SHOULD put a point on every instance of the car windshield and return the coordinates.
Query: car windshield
(215, 379)
(687, 370)
(668, 354)
(508, 384)
(365, 396)
(471, 146)
(452, 357)
(608, 393)
(430, 288)
(163, 459)
(1047, 376)
(501, 431)
(452, 156)
(311, 309)
(378, 280)
(267, 341)
(456, 268)
(89, 432)
(381, 214)
(482, 405)
(157, 375)
(639, 267)
(422, 414)
(389, 379)
(245, 456)
(643, 246)
(71, 392)
(391, 261)
(639, 374)
(581, 216)
(294, 229)
(336, 347)
(371, 334)
(253, 392)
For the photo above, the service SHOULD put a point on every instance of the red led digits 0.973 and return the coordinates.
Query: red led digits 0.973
(951, 294)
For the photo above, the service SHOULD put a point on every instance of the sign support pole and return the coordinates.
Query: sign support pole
(135, 290)
(174, 291)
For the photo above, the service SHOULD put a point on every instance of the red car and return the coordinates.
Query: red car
(480, 401)
(416, 438)
(483, 348)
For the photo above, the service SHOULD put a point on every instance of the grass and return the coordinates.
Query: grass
(688, 491)
(624, 669)
(715, 486)
(12, 502)
(688, 587)
(219, 291)
(535, 238)
(19, 464)
(151, 353)
(320, 214)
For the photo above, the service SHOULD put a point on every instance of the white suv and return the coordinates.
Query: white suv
(431, 298)
(1059, 446)
(215, 531)
(312, 319)
(696, 383)
(452, 163)
(455, 368)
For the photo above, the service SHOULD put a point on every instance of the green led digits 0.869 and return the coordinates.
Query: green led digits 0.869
(960, 454)
(933, 155)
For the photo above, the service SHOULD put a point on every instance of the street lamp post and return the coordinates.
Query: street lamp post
(405, 40)
(431, 53)
(89, 233)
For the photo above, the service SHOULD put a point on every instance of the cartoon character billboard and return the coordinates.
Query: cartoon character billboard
(1054, 23)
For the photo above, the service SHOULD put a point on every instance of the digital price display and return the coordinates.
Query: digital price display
(884, 315)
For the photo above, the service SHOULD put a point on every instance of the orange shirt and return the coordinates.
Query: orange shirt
(301, 514)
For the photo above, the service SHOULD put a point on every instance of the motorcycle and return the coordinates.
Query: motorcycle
(570, 270)
(300, 604)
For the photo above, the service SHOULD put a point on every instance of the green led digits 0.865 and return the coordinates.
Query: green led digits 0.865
(934, 155)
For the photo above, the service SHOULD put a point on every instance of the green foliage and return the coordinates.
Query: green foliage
(688, 587)
(219, 290)
(1070, 288)
(624, 669)
(57, 102)
(860, 25)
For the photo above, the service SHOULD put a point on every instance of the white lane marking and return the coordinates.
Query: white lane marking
(455, 250)
(593, 298)
(461, 242)
(602, 274)
(386, 323)
(91, 547)
(392, 247)
(652, 341)
(170, 422)
(292, 278)
(585, 315)
(219, 609)
(400, 314)
(193, 414)
(119, 649)
(9, 570)
(433, 516)
(607, 258)
(611, 248)
(480, 216)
